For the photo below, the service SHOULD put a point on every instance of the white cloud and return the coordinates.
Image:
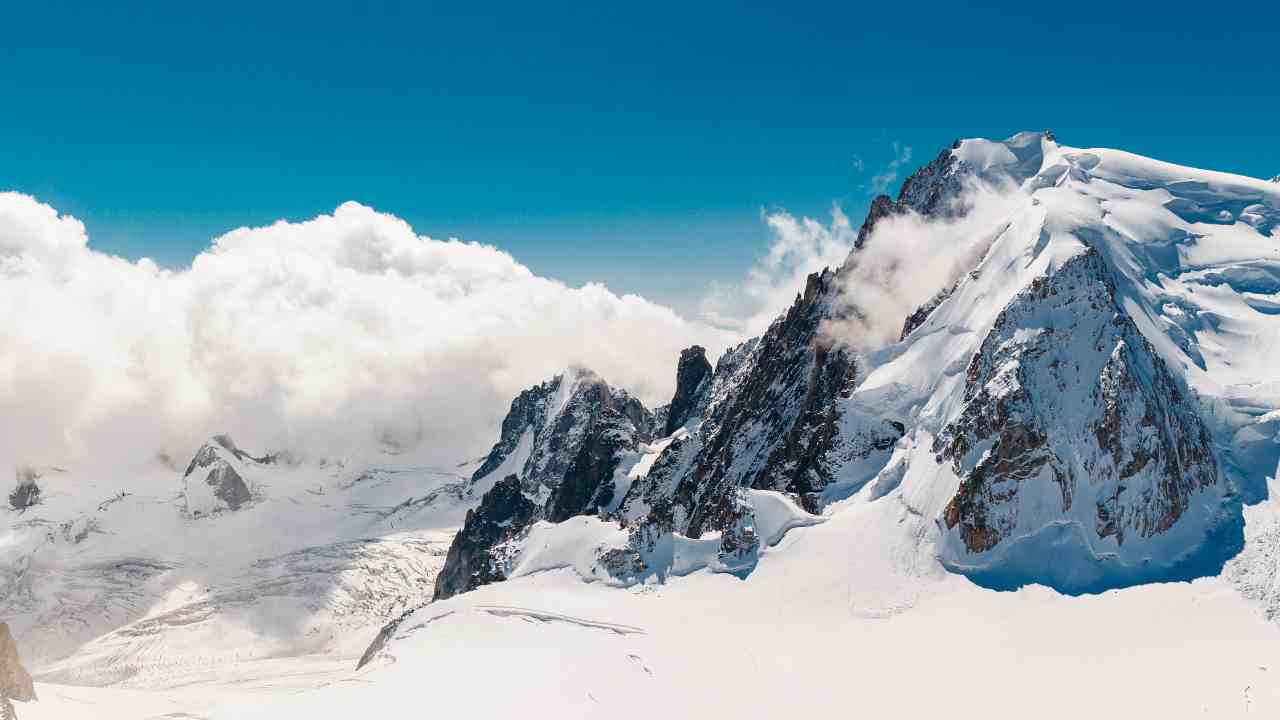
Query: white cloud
(800, 246)
(319, 336)
(908, 259)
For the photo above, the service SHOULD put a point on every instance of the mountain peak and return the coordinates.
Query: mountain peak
(223, 487)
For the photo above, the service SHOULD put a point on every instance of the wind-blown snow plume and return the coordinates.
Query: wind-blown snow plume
(800, 246)
(329, 336)
(909, 258)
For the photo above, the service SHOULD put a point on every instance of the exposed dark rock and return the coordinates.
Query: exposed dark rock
(693, 373)
(930, 191)
(26, 493)
(588, 483)
(557, 419)
(623, 563)
(528, 413)
(503, 513)
(881, 207)
(575, 429)
(228, 486)
(917, 318)
(772, 416)
(208, 454)
(772, 421)
(739, 544)
(1032, 396)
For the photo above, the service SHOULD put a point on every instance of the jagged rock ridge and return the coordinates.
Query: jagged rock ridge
(559, 456)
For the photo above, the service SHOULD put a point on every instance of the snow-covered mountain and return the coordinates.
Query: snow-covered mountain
(1068, 409)
(1081, 393)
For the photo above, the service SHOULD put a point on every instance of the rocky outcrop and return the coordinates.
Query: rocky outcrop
(15, 681)
(773, 420)
(588, 487)
(922, 313)
(930, 191)
(1066, 399)
(548, 425)
(212, 483)
(693, 375)
(561, 446)
(503, 512)
(26, 492)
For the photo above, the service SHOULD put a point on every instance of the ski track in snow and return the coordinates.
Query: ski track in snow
(545, 616)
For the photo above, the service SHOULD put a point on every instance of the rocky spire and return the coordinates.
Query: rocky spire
(691, 375)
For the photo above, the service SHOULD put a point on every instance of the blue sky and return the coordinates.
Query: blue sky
(635, 145)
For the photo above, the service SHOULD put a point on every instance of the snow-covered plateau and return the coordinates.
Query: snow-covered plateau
(1017, 455)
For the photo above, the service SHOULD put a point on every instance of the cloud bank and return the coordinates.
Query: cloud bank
(326, 337)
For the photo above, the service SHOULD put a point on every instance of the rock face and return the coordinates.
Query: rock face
(692, 373)
(503, 513)
(548, 426)
(15, 681)
(773, 415)
(773, 419)
(212, 483)
(772, 422)
(561, 446)
(1067, 394)
(26, 492)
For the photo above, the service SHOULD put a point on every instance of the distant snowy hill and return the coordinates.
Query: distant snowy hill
(1041, 388)
(181, 576)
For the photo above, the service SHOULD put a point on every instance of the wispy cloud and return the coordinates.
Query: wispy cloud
(800, 246)
(881, 182)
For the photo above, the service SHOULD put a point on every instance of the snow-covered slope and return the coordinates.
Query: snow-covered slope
(154, 576)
